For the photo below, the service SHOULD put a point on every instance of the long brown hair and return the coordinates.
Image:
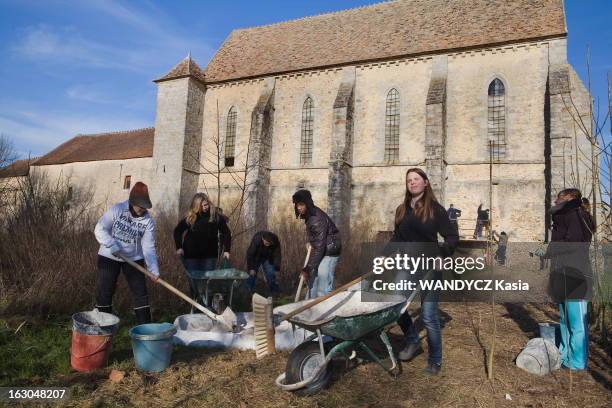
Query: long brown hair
(575, 194)
(196, 207)
(424, 208)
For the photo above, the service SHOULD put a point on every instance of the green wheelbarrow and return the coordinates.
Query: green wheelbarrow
(226, 278)
(344, 320)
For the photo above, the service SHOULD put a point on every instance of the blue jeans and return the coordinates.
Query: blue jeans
(431, 320)
(270, 274)
(197, 264)
(323, 282)
(574, 325)
(500, 255)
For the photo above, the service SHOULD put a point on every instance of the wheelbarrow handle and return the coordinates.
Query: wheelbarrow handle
(169, 287)
(327, 296)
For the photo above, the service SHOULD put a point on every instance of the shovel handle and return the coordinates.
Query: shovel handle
(327, 296)
(301, 284)
(169, 287)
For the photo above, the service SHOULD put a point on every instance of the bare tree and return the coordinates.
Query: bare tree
(7, 151)
(237, 175)
(598, 159)
(7, 157)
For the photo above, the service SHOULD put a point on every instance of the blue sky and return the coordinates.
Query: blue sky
(87, 66)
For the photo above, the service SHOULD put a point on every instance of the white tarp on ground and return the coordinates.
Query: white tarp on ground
(197, 330)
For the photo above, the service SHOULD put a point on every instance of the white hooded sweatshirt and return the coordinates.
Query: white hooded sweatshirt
(119, 230)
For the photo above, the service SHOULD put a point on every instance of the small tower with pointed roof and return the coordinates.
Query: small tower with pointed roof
(178, 136)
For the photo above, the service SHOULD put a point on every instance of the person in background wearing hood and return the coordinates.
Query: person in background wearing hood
(127, 229)
(419, 220)
(586, 206)
(502, 246)
(570, 280)
(453, 215)
(199, 236)
(264, 253)
(482, 220)
(324, 239)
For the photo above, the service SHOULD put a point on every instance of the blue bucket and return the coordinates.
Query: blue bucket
(152, 345)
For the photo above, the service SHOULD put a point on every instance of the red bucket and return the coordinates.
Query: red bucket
(88, 353)
(92, 333)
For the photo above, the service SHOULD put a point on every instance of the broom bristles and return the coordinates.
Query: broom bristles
(264, 326)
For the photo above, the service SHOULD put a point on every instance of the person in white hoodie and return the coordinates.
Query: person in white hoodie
(126, 228)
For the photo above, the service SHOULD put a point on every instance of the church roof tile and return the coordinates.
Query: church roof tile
(128, 144)
(186, 68)
(18, 168)
(383, 31)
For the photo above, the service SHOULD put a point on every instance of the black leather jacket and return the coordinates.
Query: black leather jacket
(324, 237)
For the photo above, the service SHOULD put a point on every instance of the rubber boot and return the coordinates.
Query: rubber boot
(105, 309)
(143, 315)
(410, 351)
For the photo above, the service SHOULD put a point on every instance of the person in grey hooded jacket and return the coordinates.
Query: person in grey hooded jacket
(126, 229)
(324, 239)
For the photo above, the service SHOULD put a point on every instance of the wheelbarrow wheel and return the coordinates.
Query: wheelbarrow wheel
(302, 363)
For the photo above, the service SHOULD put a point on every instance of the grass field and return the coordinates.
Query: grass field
(38, 355)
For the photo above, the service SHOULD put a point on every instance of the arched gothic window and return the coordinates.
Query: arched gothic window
(230, 137)
(392, 126)
(496, 119)
(307, 132)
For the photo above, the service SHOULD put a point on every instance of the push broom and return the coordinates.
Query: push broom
(263, 320)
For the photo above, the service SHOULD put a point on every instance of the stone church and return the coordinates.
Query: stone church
(474, 92)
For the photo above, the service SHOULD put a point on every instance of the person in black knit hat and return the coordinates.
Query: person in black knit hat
(324, 239)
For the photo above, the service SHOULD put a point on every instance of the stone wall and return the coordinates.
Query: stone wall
(192, 143)
(341, 155)
(103, 179)
(443, 129)
(178, 129)
(518, 185)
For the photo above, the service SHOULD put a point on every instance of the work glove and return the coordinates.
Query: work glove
(115, 249)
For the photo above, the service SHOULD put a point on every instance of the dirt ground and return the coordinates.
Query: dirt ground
(201, 378)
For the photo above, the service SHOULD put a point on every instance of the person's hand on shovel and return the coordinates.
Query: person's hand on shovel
(115, 249)
(306, 271)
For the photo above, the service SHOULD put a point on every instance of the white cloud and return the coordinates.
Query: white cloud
(90, 93)
(156, 23)
(39, 130)
(152, 40)
(66, 47)
(113, 95)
